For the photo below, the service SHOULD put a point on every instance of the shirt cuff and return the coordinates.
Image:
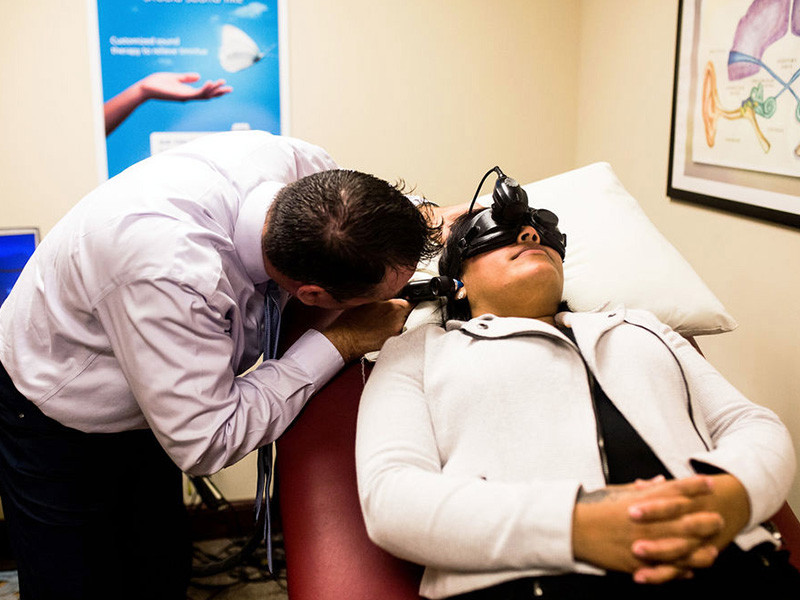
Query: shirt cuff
(317, 355)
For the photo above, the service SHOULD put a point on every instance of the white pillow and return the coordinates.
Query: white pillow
(615, 255)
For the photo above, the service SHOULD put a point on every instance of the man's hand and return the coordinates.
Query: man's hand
(365, 328)
(669, 518)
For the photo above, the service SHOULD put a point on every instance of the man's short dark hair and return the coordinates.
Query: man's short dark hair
(342, 230)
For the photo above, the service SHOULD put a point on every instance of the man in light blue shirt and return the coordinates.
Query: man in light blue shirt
(126, 344)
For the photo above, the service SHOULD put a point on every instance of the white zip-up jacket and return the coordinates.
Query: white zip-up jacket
(473, 441)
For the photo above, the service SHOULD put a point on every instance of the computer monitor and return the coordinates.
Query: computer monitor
(16, 247)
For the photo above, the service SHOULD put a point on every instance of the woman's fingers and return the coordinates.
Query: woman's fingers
(678, 552)
(660, 574)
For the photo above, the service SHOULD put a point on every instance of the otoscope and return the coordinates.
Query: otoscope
(430, 289)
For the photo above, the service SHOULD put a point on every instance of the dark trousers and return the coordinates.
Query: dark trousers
(762, 572)
(89, 515)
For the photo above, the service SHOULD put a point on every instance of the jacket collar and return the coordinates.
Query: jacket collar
(588, 327)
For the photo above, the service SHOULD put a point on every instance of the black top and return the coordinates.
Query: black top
(628, 455)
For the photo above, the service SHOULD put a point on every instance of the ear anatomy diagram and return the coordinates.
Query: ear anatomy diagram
(748, 110)
(764, 24)
(237, 50)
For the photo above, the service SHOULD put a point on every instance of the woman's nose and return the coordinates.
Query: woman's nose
(527, 234)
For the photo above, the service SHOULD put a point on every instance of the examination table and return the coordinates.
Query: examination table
(328, 553)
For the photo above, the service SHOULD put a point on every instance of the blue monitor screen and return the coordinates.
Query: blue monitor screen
(16, 247)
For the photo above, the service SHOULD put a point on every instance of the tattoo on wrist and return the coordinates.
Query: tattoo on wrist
(600, 495)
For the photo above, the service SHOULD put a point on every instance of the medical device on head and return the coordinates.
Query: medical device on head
(499, 225)
(493, 228)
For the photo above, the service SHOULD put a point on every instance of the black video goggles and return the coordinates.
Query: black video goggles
(500, 224)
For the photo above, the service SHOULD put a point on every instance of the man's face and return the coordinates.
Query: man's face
(390, 287)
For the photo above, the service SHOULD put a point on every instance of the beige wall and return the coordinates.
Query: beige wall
(47, 157)
(436, 92)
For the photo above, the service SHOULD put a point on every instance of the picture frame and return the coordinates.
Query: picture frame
(735, 132)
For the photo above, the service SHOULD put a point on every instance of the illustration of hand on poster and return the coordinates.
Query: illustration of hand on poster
(173, 70)
(159, 86)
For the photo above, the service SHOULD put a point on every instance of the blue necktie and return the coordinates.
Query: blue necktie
(272, 322)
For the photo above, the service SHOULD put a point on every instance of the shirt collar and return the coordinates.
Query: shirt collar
(248, 228)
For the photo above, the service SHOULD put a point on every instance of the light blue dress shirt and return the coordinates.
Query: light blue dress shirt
(143, 307)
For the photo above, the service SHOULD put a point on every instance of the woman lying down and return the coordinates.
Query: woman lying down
(523, 450)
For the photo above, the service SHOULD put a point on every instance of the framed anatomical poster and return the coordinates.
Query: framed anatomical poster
(167, 71)
(735, 139)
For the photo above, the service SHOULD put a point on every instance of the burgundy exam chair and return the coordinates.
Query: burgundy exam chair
(328, 553)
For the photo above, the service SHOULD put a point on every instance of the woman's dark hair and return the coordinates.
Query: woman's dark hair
(342, 229)
(452, 265)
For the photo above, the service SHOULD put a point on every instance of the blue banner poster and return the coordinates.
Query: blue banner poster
(171, 70)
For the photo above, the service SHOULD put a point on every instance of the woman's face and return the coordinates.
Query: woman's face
(524, 279)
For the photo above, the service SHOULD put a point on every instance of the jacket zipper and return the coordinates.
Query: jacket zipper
(601, 442)
(689, 408)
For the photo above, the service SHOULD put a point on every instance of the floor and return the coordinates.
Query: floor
(8, 585)
(246, 581)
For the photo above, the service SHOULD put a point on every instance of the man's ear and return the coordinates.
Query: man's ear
(314, 295)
